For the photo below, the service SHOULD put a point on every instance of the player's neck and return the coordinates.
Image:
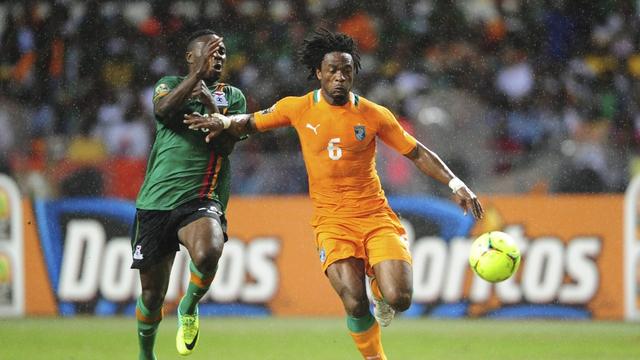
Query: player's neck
(211, 82)
(333, 102)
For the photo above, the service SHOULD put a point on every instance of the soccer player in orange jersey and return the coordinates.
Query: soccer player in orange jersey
(356, 231)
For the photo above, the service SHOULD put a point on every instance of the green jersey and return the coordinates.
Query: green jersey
(182, 166)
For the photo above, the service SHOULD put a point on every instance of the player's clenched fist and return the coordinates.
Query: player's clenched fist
(214, 123)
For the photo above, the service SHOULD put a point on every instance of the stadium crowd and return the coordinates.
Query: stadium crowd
(517, 96)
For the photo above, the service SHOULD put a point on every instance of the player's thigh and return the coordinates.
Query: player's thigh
(347, 277)
(202, 230)
(202, 235)
(395, 279)
(390, 259)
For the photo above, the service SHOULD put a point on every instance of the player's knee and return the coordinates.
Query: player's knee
(356, 308)
(206, 260)
(399, 300)
(152, 299)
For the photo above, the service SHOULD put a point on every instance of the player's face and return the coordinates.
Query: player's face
(217, 60)
(336, 76)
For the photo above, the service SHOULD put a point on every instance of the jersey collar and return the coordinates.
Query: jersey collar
(317, 97)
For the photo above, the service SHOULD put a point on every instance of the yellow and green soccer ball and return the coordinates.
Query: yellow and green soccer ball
(494, 256)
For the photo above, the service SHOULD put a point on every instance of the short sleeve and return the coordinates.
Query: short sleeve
(392, 133)
(281, 114)
(162, 88)
(239, 105)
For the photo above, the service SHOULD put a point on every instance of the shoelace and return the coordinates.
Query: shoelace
(188, 326)
(384, 307)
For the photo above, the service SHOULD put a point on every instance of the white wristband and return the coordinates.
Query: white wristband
(455, 184)
(226, 122)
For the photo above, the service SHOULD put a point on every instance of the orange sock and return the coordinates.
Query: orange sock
(375, 289)
(369, 341)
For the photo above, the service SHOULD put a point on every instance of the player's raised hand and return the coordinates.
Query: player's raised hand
(203, 62)
(213, 124)
(469, 202)
(202, 93)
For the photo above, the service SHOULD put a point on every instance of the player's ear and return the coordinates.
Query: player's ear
(189, 57)
(319, 74)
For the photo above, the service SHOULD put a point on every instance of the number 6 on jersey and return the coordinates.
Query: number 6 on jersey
(335, 153)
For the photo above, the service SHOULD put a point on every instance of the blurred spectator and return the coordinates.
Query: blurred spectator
(130, 138)
(557, 82)
(6, 141)
(515, 78)
(84, 148)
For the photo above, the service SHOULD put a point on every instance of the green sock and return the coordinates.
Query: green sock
(147, 328)
(362, 324)
(198, 286)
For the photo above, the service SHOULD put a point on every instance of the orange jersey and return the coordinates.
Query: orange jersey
(339, 146)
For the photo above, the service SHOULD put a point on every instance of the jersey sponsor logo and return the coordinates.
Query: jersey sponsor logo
(360, 132)
(220, 99)
(313, 128)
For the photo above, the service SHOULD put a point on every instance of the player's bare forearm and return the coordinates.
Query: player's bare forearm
(430, 164)
(236, 125)
(242, 125)
(173, 101)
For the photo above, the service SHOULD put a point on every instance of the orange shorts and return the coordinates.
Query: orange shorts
(374, 238)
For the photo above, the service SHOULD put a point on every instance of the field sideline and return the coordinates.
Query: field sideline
(323, 339)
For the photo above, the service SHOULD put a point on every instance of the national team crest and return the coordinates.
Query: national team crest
(220, 99)
(360, 132)
(323, 256)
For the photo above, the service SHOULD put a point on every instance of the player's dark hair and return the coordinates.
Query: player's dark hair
(198, 33)
(322, 42)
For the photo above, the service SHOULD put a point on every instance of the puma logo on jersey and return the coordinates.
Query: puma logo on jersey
(375, 357)
(314, 128)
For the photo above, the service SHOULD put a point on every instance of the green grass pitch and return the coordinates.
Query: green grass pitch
(322, 339)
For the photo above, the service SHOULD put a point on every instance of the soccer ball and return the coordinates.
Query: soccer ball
(494, 256)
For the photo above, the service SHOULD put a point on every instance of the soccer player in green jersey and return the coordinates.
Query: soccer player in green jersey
(185, 191)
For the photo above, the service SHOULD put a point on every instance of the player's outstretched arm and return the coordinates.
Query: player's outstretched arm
(430, 164)
(237, 125)
(192, 86)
